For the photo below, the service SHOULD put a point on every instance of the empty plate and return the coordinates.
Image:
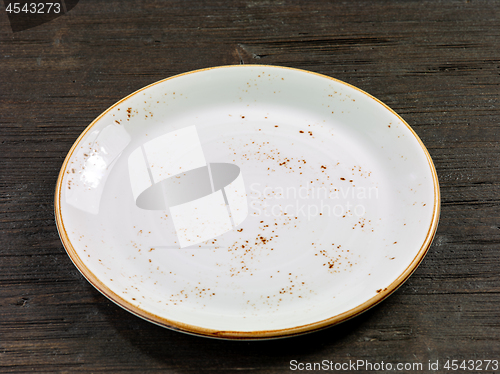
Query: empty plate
(247, 202)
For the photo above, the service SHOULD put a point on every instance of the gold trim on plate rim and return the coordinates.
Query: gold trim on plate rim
(245, 335)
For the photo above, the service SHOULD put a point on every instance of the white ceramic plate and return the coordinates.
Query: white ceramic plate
(247, 202)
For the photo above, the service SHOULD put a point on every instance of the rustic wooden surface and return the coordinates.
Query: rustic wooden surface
(436, 63)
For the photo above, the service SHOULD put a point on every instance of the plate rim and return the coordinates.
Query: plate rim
(258, 334)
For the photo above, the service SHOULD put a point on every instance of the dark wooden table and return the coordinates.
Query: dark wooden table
(436, 63)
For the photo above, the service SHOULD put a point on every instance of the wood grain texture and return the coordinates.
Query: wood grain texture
(436, 63)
